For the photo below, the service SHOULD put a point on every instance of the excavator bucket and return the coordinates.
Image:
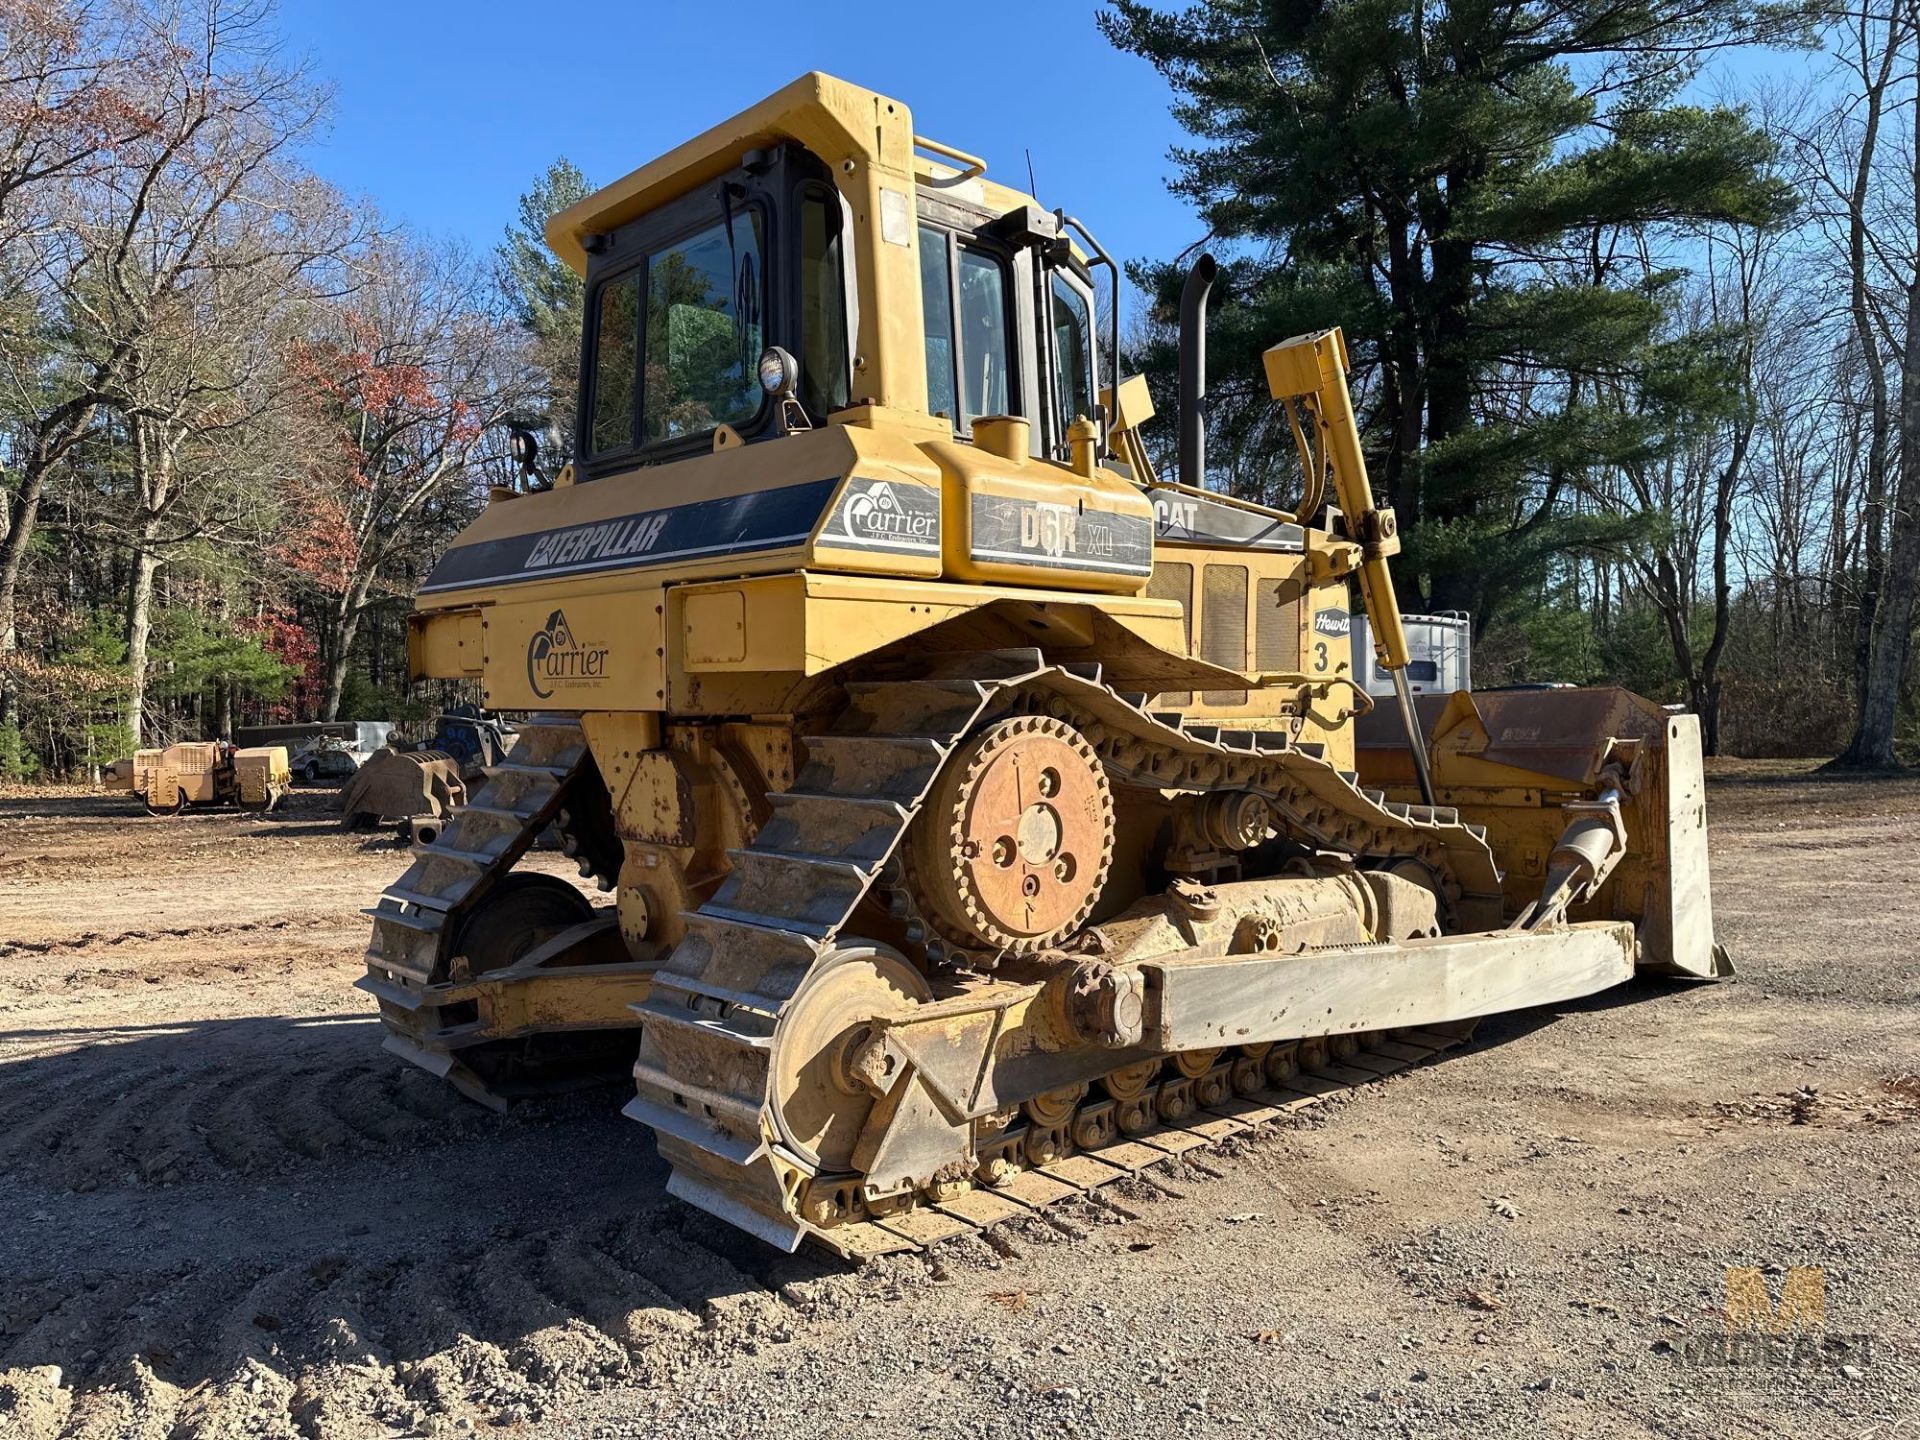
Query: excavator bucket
(402, 784)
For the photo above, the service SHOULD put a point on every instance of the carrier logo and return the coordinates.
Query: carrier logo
(1332, 622)
(874, 513)
(555, 657)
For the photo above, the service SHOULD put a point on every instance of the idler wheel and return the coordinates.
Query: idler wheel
(819, 1106)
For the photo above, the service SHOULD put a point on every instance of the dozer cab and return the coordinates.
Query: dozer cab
(981, 811)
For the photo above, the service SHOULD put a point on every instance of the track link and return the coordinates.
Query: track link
(702, 1079)
(1090, 1151)
(416, 922)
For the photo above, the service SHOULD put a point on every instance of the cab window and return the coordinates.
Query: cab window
(704, 327)
(936, 301)
(963, 293)
(823, 305)
(615, 363)
(983, 336)
(685, 329)
(1072, 323)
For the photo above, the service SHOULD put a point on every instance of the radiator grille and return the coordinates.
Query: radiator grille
(1172, 580)
(1223, 626)
(1276, 630)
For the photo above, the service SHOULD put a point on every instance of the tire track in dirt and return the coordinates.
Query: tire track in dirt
(97, 1117)
(329, 1347)
(89, 939)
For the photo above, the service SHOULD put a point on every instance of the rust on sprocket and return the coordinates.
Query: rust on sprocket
(1019, 827)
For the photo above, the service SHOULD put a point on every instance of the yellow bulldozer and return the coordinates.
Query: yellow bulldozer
(982, 810)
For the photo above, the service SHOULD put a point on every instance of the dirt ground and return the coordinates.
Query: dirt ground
(225, 1212)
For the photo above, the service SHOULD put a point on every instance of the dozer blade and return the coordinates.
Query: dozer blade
(1508, 759)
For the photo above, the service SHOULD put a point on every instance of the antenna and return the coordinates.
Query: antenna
(1033, 188)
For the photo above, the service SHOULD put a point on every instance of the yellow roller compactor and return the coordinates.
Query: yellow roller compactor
(983, 814)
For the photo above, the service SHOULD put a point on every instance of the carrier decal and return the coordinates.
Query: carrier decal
(1061, 537)
(557, 657)
(734, 524)
(883, 515)
(1193, 520)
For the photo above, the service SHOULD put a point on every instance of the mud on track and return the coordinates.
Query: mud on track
(225, 1212)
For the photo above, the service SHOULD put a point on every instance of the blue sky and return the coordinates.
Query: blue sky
(445, 112)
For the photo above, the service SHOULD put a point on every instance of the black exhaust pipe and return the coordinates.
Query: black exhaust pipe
(1193, 372)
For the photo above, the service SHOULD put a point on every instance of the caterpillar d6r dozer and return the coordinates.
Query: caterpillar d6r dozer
(981, 811)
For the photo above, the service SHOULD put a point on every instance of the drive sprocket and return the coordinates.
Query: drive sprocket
(1016, 838)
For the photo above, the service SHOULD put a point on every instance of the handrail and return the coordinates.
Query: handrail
(974, 165)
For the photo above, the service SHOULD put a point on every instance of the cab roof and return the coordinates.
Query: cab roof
(833, 118)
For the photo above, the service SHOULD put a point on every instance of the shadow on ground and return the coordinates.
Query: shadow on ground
(274, 1211)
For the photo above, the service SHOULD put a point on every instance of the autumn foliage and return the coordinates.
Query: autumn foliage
(239, 416)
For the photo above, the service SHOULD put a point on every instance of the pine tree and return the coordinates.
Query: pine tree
(1478, 194)
(544, 295)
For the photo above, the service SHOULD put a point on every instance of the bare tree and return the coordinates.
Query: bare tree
(69, 97)
(206, 365)
(1882, 224)
(127, 242)
(410, 377)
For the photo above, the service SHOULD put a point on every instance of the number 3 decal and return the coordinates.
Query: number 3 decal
(1320, 661)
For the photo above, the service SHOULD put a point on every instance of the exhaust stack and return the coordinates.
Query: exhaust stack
(1193, 372)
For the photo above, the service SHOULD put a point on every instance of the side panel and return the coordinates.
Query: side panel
(593, 652)
(1012, 520)
(444, 646)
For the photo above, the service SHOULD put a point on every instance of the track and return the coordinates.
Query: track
(417, 920)
(1217, 1104)
(703, 1077)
